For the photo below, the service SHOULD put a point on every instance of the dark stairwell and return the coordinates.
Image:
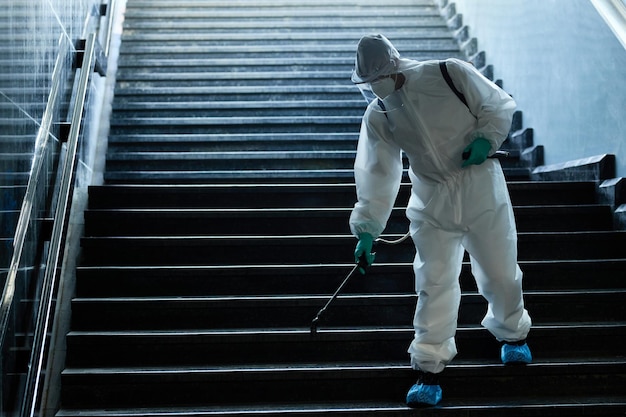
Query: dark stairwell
(221, 230)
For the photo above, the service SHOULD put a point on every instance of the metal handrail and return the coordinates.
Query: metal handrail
(62, 211)
(111, 13)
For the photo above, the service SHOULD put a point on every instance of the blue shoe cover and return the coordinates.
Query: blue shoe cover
(515, 354)
(421, 395)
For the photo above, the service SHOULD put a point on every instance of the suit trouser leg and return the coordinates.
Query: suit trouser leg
(493, 257)
(437, 267)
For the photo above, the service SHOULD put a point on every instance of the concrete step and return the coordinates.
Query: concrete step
(263, 176)
(205, 93)
(223, 161)
(309, 64)
(193, 387)
(312, 23)
(169, 348)
(304, 195)
(297, 311)
(206, 142)
(338, 176)
(562, 406)
(293, 49)
(322, 279)
(301, 221)
(224, 250)
(135, 108)
(330, 36)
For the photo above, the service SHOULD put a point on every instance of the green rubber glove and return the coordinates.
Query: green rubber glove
(364, 248)
(478, 151)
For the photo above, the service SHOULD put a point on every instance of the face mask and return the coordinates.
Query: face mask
(384, 87)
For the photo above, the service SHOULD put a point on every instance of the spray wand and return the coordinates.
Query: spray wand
(362, 265)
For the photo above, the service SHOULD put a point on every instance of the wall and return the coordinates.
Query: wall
(565, 68)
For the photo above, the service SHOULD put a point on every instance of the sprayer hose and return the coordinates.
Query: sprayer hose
(394, 242)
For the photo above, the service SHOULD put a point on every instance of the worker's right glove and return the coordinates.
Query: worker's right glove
(364, 250)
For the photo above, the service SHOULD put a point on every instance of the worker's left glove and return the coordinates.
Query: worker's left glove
(364, 250)
(477, 152)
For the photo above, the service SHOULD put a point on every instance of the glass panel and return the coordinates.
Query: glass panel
(33, 34)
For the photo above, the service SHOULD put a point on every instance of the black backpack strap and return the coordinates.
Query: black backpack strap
(382, 106)
(446, 76)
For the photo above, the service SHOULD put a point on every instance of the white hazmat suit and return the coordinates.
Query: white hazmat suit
(451, 208)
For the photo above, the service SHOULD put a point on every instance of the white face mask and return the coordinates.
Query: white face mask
(383, 88)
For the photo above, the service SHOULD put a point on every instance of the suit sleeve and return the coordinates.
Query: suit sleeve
(377, 173)
(492, 107)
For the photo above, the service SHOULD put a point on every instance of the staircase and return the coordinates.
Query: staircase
(222, 229)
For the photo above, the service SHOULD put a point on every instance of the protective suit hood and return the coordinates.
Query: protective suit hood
(375, 56)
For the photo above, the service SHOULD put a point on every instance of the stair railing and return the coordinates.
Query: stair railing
(14, 319)
(41, 229)
(43, 320)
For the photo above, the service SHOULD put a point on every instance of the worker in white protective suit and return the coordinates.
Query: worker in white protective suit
(455, 204)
